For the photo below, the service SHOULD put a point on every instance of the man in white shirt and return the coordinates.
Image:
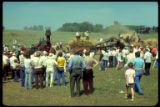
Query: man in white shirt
(43, 57)
(38, 70)
(105, 59)
(13, 67)
(148, 60)
(6, 64)
(110, 54)
(22, 68)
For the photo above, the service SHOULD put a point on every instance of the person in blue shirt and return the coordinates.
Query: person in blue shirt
(76, 66)
(139, 65)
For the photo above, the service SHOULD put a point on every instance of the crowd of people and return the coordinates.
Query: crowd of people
(135, 61)
(42, 66)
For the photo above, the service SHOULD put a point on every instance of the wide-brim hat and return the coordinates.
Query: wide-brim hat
(50, 55)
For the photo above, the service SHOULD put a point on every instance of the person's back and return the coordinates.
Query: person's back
(105, 56)
(131, 74)
(49, 64)
(61, 61)
(89, 61)
(27, 63)
(37, 62)
(130, 80)
(5, 60)
(138, 63)
(148, 57)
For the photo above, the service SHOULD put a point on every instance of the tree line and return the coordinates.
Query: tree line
(87, 26)
(81, 27)
(34, 27)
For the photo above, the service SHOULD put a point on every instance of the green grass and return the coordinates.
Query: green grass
(107, 84)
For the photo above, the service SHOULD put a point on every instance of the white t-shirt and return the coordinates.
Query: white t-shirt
(105, 56)
(12, 59)
(37, 62)
(131, 74)
(21, 59)
(157, 56)
(130, 58)
(5, 59)
(27, 63)
(50, 62)
(148, 57)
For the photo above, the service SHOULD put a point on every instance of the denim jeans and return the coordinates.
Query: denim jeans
(15, 76)
(105, 62)
(49, 73)
(137, 82)
(101, 66)
(28, 81)
(157, 63)
(115, 61)
(22, 76)
(32, 76)
(61, 73)
(55, 75)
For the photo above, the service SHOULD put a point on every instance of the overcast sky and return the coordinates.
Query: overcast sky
(17, 15)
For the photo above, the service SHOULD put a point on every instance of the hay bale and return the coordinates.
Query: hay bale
(151, 42)
(81, 43)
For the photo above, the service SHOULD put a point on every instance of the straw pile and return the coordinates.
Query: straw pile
(81, 43)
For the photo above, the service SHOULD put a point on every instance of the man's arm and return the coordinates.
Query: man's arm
(83, 64)
(96, 63)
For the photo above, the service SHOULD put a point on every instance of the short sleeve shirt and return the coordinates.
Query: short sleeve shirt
(148, 57)
(131, 74)
(89, 61)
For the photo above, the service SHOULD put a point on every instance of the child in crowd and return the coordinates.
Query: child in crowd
(130, 77)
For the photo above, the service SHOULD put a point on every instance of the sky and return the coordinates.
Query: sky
(17, 15)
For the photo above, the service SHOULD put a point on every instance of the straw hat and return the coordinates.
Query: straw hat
(50, 55)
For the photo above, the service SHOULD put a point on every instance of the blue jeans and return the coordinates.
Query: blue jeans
(105, 63)
(15, 76)
(137, 82)
(32, 76)
(115, 61)
(100, 65)
(157, 63)
(22, 76)
(55, 75)
(61, 73)
(28, 81)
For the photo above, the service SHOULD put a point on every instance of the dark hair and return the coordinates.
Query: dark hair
(27, 55)
(131, 50)
(137, 54)
(87, 53)
(130, 65)
(76, 52)
(60, 54)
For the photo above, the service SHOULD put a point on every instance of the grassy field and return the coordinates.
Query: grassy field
(32, 37)
(107, 84)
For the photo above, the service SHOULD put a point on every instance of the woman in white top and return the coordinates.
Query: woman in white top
(50, 65)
